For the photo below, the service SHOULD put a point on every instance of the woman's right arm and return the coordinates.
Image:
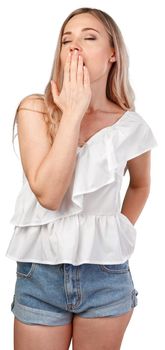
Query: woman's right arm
(49, 169)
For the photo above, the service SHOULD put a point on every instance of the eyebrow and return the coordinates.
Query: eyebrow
(83, 30)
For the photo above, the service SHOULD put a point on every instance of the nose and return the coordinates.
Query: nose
(75, 47)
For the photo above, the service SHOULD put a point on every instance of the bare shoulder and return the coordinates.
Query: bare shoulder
(31, 113)
(34, 103)
(31, 116)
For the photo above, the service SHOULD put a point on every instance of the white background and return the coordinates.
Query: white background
(29, 32)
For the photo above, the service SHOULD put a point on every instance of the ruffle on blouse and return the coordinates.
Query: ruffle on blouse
(77, 239)
(100, 162)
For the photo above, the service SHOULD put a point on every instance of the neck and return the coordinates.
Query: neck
(99, 101)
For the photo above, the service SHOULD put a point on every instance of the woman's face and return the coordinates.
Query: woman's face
(92, 44)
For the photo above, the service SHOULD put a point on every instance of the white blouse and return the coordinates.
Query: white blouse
(88, 227)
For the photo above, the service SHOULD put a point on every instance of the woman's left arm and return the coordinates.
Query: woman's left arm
(139, 186)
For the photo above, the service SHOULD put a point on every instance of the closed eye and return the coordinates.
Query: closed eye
(67, 41)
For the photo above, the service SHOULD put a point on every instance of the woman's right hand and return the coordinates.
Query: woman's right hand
(76, 93)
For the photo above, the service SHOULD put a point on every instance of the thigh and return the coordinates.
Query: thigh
(41, 337)
(99, 333)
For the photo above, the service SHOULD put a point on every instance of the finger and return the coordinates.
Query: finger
(86, 77)
(67, 68)
(73, 67)
(80, 70)
(54, 90)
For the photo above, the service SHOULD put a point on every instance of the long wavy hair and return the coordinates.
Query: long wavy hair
(118, 88)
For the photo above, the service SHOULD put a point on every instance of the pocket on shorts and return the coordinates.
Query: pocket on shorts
(115, 268)
(25, 269)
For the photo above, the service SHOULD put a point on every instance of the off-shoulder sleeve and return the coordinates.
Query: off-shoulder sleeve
(138, 138)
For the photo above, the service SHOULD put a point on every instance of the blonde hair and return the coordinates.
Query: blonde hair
(118, 88)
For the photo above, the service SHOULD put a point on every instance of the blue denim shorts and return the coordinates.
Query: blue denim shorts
(51, 294)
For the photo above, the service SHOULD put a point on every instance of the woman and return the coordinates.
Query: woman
(72, 241)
